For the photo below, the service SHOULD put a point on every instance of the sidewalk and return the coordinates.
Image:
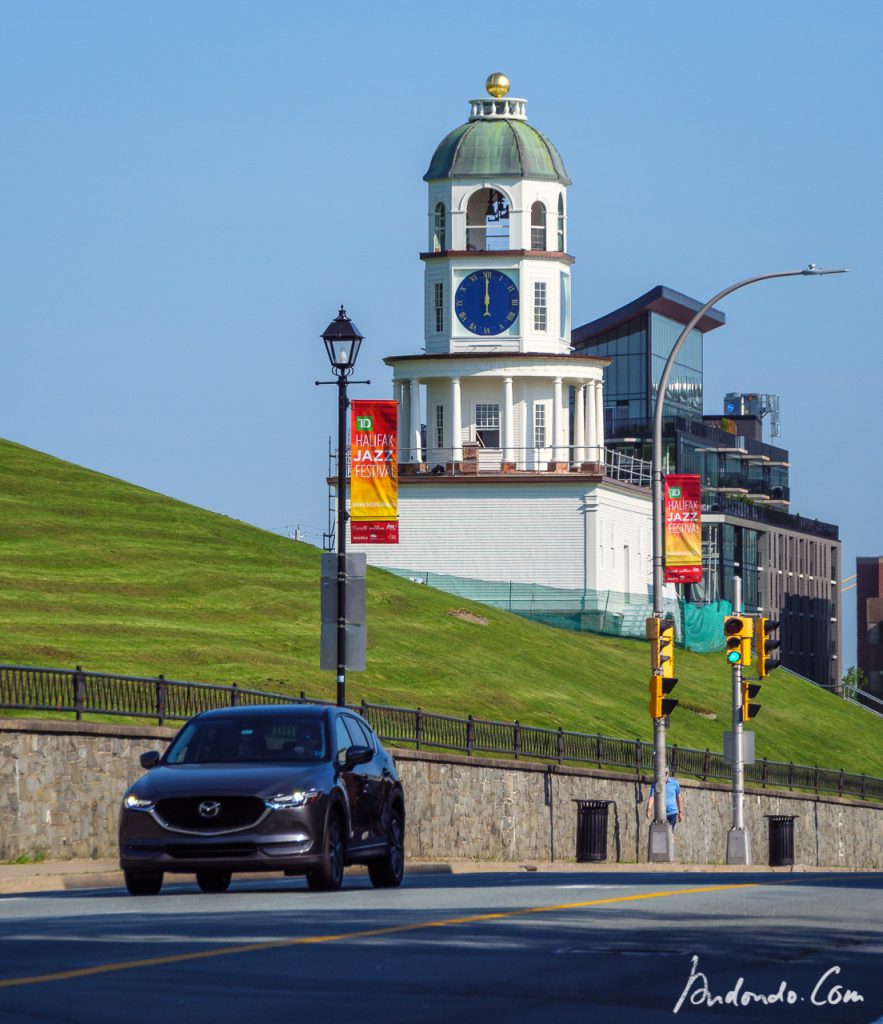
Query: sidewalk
(60, 875)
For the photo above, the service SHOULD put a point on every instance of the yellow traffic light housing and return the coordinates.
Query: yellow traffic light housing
(763, 646)
(661, 704)
(661, 634)
(738, 631)
(749, 692)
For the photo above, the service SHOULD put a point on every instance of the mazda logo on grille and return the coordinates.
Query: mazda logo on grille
(210, 808)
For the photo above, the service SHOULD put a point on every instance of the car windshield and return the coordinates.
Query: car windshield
(233, 740)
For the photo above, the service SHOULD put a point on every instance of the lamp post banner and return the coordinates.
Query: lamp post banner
(374, 481)
(683, 529)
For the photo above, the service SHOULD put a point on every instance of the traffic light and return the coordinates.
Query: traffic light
(661, 634)
(749, 692)
(763, 647)
(738, 631)
(660, 703)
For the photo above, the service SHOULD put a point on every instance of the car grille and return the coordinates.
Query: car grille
(234, 812)
(204, 851)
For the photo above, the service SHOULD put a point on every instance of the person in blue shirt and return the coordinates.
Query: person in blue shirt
(674, 801)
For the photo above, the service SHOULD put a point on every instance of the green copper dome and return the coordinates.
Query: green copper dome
(496, 147)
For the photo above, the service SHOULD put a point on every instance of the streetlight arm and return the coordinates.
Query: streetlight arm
(810, 271)
(658, 512)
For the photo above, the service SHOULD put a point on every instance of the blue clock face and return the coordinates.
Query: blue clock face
(486, 302)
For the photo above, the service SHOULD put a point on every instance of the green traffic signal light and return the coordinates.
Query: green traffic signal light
(738, 630)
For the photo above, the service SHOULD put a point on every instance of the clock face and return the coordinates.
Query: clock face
(486, 302)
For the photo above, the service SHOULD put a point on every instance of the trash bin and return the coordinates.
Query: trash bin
(591, 830)
(781, 839)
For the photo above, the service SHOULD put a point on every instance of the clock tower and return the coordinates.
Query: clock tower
(504, 478)
(497, 275)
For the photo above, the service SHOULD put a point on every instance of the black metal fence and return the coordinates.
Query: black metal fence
(167, 700)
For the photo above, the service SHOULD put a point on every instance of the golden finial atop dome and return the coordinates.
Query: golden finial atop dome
(497, 84)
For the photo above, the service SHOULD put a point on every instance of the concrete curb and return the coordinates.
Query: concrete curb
(60, 876)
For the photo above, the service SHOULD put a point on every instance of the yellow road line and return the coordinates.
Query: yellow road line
(257, 947)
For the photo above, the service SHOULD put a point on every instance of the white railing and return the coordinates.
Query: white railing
(472, 459)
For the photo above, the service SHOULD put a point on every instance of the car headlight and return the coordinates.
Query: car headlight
(297, 798)
(137, 803)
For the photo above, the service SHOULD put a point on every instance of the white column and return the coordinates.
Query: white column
(591, 423)
(508, 421)
(579, 425)
(456, 422)
(557, 424)
(599, 410)
(414, 431)
(404, 398)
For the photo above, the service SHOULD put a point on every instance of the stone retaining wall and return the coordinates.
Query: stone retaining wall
(61, 784)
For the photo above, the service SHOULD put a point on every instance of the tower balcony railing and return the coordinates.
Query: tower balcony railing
(475, 459)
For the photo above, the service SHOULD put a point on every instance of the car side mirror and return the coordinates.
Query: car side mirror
(358, 755)
(149, 759)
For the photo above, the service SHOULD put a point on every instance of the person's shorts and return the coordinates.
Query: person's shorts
(672, 820)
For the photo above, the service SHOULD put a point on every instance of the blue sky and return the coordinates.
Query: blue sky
(188, 191)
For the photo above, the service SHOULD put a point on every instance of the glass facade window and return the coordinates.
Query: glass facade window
(625, 379)
(565, 306)
(749, 559)
(561, 223)
(540, 311)
(683, 396)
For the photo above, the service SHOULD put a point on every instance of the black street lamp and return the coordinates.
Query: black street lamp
(342, 342)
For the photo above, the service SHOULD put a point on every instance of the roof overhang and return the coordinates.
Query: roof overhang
(662, 300)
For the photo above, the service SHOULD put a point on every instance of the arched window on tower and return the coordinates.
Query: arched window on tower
(439, 230)
(538, 226)
(561, 223)
(487, 221)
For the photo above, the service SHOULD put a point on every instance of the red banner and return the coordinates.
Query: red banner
(683, 529)
(386, 532)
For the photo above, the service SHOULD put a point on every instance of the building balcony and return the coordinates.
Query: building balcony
(477, 461)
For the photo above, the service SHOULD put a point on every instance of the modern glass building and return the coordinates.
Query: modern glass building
(788, 564)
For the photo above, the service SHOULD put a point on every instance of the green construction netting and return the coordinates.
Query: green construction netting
(697, 626)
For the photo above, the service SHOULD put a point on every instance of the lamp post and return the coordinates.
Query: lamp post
(661, 846)
(342, 342)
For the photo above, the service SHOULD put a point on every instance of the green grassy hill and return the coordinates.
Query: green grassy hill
(100, 573)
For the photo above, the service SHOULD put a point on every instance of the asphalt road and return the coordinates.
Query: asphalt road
(507, 947)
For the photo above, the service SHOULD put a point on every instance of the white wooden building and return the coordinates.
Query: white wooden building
(503, 473)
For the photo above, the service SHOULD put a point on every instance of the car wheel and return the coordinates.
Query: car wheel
(143, 883)
(386, 872)
(213, 881)
(328, 877)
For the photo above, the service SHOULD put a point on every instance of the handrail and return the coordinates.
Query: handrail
(75, 691)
